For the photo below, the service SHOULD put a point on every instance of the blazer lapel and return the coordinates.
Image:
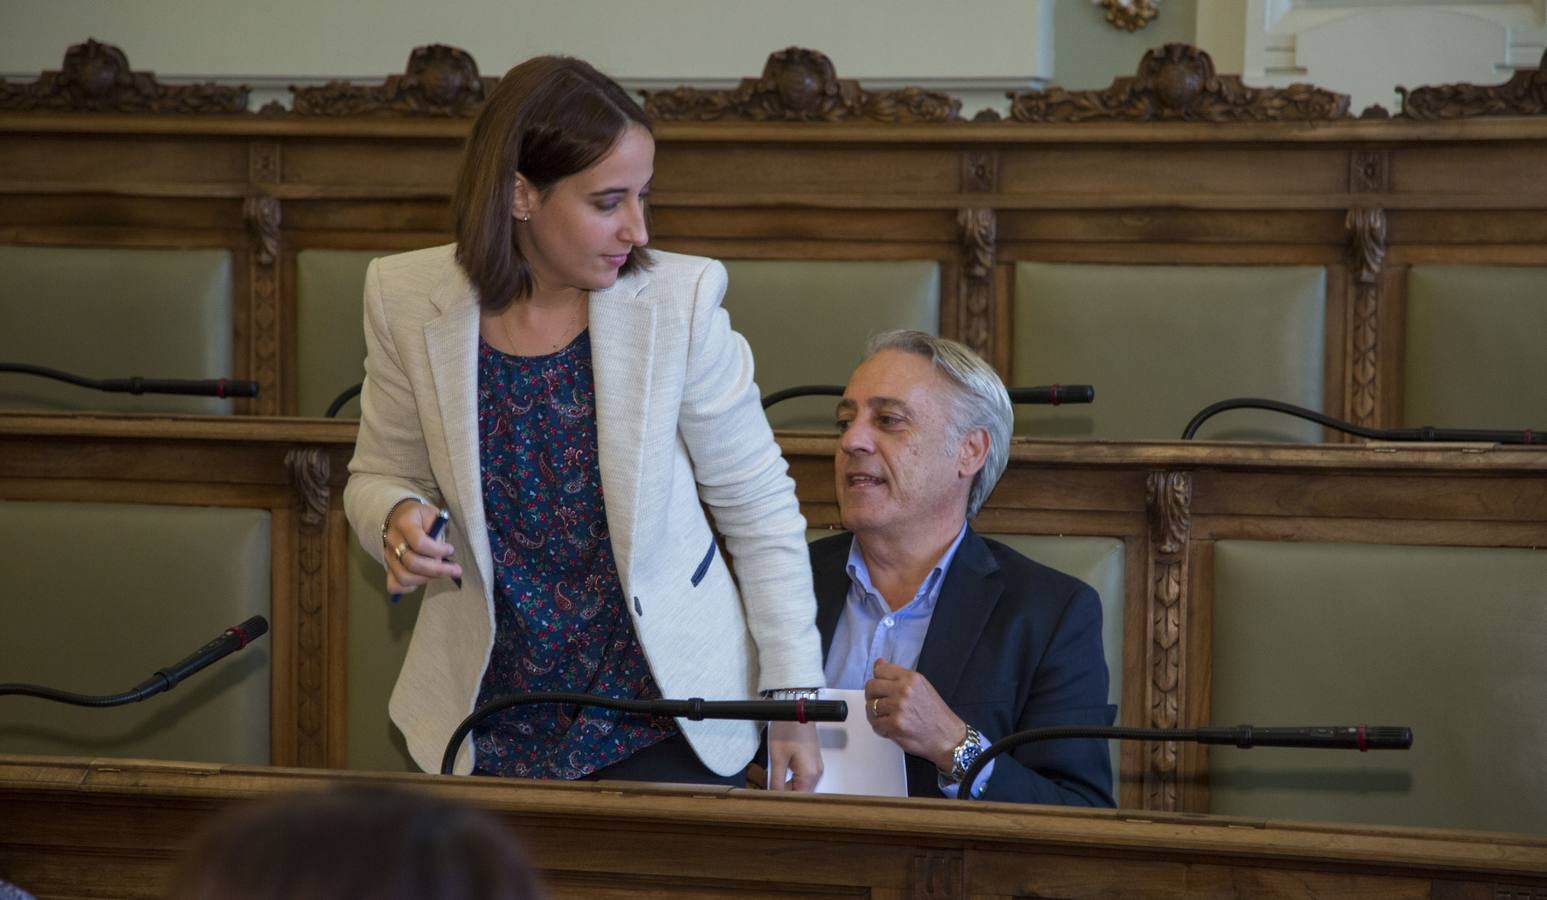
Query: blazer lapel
(971, 590)
(622, 325)
(451, 341)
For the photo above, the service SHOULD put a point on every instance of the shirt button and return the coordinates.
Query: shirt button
(888, 622)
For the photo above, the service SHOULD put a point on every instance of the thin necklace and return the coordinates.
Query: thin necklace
(553, 346)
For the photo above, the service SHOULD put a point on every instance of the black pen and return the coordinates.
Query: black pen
(441, 518)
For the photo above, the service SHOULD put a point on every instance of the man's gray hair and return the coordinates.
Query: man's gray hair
(979, 401)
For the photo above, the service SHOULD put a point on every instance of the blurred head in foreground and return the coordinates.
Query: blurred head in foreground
(356, 842)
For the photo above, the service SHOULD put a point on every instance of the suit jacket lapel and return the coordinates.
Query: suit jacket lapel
(451, 341)
(971, 590)
(622, 324)
(832, 589)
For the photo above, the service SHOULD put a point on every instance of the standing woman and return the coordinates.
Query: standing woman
(576, 403)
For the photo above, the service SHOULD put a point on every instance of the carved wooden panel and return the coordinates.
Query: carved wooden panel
(1130, 15)
(310, 472)
(977, 279)
(800, 85)
(1367, 243)
(937, 875)
(96, 77)
(262, 214)
(1168, 496)
(1177, 82)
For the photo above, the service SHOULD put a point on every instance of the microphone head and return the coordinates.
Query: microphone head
(1388, 737)
(252, 629)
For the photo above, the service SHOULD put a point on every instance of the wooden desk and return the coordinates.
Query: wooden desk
(82, 828)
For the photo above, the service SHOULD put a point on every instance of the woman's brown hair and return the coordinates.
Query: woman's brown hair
(550, 117)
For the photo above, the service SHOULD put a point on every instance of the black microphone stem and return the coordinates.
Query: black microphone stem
(1333, 737)
(1423, 433)
(695, 709)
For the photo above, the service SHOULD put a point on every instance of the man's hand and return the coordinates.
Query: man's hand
(902, 705)
(793, 747)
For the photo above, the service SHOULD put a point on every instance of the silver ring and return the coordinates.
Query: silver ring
(399, 550)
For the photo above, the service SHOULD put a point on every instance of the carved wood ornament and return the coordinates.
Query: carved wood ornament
(1524, 94)
(1130, 15)
(978, 237)
(438, 81)
(800, 85)
(1168, 495)
(1177, 82)
(1367, 237)
(262, 214)
(96, 77)
(310, 471)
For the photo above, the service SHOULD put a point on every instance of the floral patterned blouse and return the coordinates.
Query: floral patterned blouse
(560, 619)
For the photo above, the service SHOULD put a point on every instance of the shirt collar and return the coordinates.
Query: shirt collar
(928, 592)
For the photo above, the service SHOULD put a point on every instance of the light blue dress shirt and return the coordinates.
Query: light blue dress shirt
(868, 629)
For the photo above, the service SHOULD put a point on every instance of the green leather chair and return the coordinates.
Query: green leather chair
(330, 327)
(101, 595)
(1474, 347)
(1447, 640)
(1161, 343)
(114, 313)
(808, 322)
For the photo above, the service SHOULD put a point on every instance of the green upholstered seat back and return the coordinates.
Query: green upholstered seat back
(1446, 640)
(1475, 347)
(378, 641)
(1162, 342)
(330, 327)
(112, 313)
(807, 322)
(98, 596)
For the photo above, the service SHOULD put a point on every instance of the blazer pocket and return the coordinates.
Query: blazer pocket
(703, 566)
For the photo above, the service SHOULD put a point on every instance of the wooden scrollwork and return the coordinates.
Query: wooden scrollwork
(310, 471)
(1524, 94)
(262, 214)
(978, 238)
(1367, 245)
(438, 81)
(1178, 82)
(800, 85)
(1168, 496)
(96, 77)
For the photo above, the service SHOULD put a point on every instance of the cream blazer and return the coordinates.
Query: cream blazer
(679, 430)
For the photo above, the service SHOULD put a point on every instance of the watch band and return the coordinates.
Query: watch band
(792, 694)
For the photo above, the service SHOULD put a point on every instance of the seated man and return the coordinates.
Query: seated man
(957, 641)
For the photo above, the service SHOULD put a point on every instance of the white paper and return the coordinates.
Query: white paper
(856, 760)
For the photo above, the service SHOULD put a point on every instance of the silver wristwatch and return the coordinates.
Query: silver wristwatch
(965, 754)
(792, 694)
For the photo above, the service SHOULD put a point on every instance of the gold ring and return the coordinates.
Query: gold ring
(399, 550)
(875, 707)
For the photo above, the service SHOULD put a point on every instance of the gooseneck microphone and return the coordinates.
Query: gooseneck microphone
(228, 642)
(695, 709)
(204, 387)
(1321, 737)
(1046, 395)
(1423, 433)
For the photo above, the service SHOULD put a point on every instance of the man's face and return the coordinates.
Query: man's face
(898, 468)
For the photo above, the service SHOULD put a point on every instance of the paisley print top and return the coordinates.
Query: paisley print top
(560, 619)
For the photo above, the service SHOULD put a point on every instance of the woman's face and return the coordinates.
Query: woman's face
(581, 230)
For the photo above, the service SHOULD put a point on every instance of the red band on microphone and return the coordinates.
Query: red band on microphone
(1055, 393)
(1362, 745)
(1528, 435)
(240, 635)
(800, 710)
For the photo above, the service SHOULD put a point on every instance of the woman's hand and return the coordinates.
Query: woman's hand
(412, 556)
(794, 748)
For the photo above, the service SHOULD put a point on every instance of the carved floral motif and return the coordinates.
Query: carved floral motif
(96, 77)
(439, 81)
(1367, 233)
(1524, 94)
(1130, 15)
(1169, 499)
(1178, 82)
(978, 236)
(800, 85)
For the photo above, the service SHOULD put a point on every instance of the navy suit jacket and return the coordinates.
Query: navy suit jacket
(1012, 645)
